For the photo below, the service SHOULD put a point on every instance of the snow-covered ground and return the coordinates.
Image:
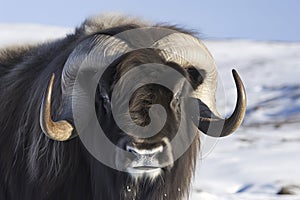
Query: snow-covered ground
(263, 155)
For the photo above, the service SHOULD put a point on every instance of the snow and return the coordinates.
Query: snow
(254, 162)
(263, 155)
(15, 34)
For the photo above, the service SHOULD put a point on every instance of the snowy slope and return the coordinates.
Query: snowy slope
(271, 72)
(14, 34)
(263, 155)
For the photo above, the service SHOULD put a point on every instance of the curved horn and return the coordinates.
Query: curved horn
(60, 130)
(103, 45)
(223, 127)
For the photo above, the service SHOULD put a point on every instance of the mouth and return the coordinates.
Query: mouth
(150, 170)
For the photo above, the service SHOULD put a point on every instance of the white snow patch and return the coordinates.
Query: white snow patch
(16, 34)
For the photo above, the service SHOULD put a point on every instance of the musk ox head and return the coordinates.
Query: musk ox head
(151, 90)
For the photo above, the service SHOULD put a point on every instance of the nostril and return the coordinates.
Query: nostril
(123, 142)
(144, 151)
(131, 149)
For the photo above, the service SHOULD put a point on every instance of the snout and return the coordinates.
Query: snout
(149, 158)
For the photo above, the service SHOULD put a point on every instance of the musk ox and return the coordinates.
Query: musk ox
(45, 155)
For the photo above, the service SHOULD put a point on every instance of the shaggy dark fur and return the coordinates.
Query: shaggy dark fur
(34, 167)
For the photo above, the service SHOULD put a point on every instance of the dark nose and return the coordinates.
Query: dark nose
(156, 154)
(150, 151)
(148, 147)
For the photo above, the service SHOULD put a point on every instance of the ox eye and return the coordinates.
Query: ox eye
(176, 100)
(105, 103)
(178, 96)
(103, 94)
(105, 98)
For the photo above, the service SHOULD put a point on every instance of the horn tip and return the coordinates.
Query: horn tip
(235, 73)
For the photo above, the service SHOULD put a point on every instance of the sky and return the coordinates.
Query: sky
(264, 20)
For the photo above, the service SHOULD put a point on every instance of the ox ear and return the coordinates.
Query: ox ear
(214, 126)
(57, 130)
